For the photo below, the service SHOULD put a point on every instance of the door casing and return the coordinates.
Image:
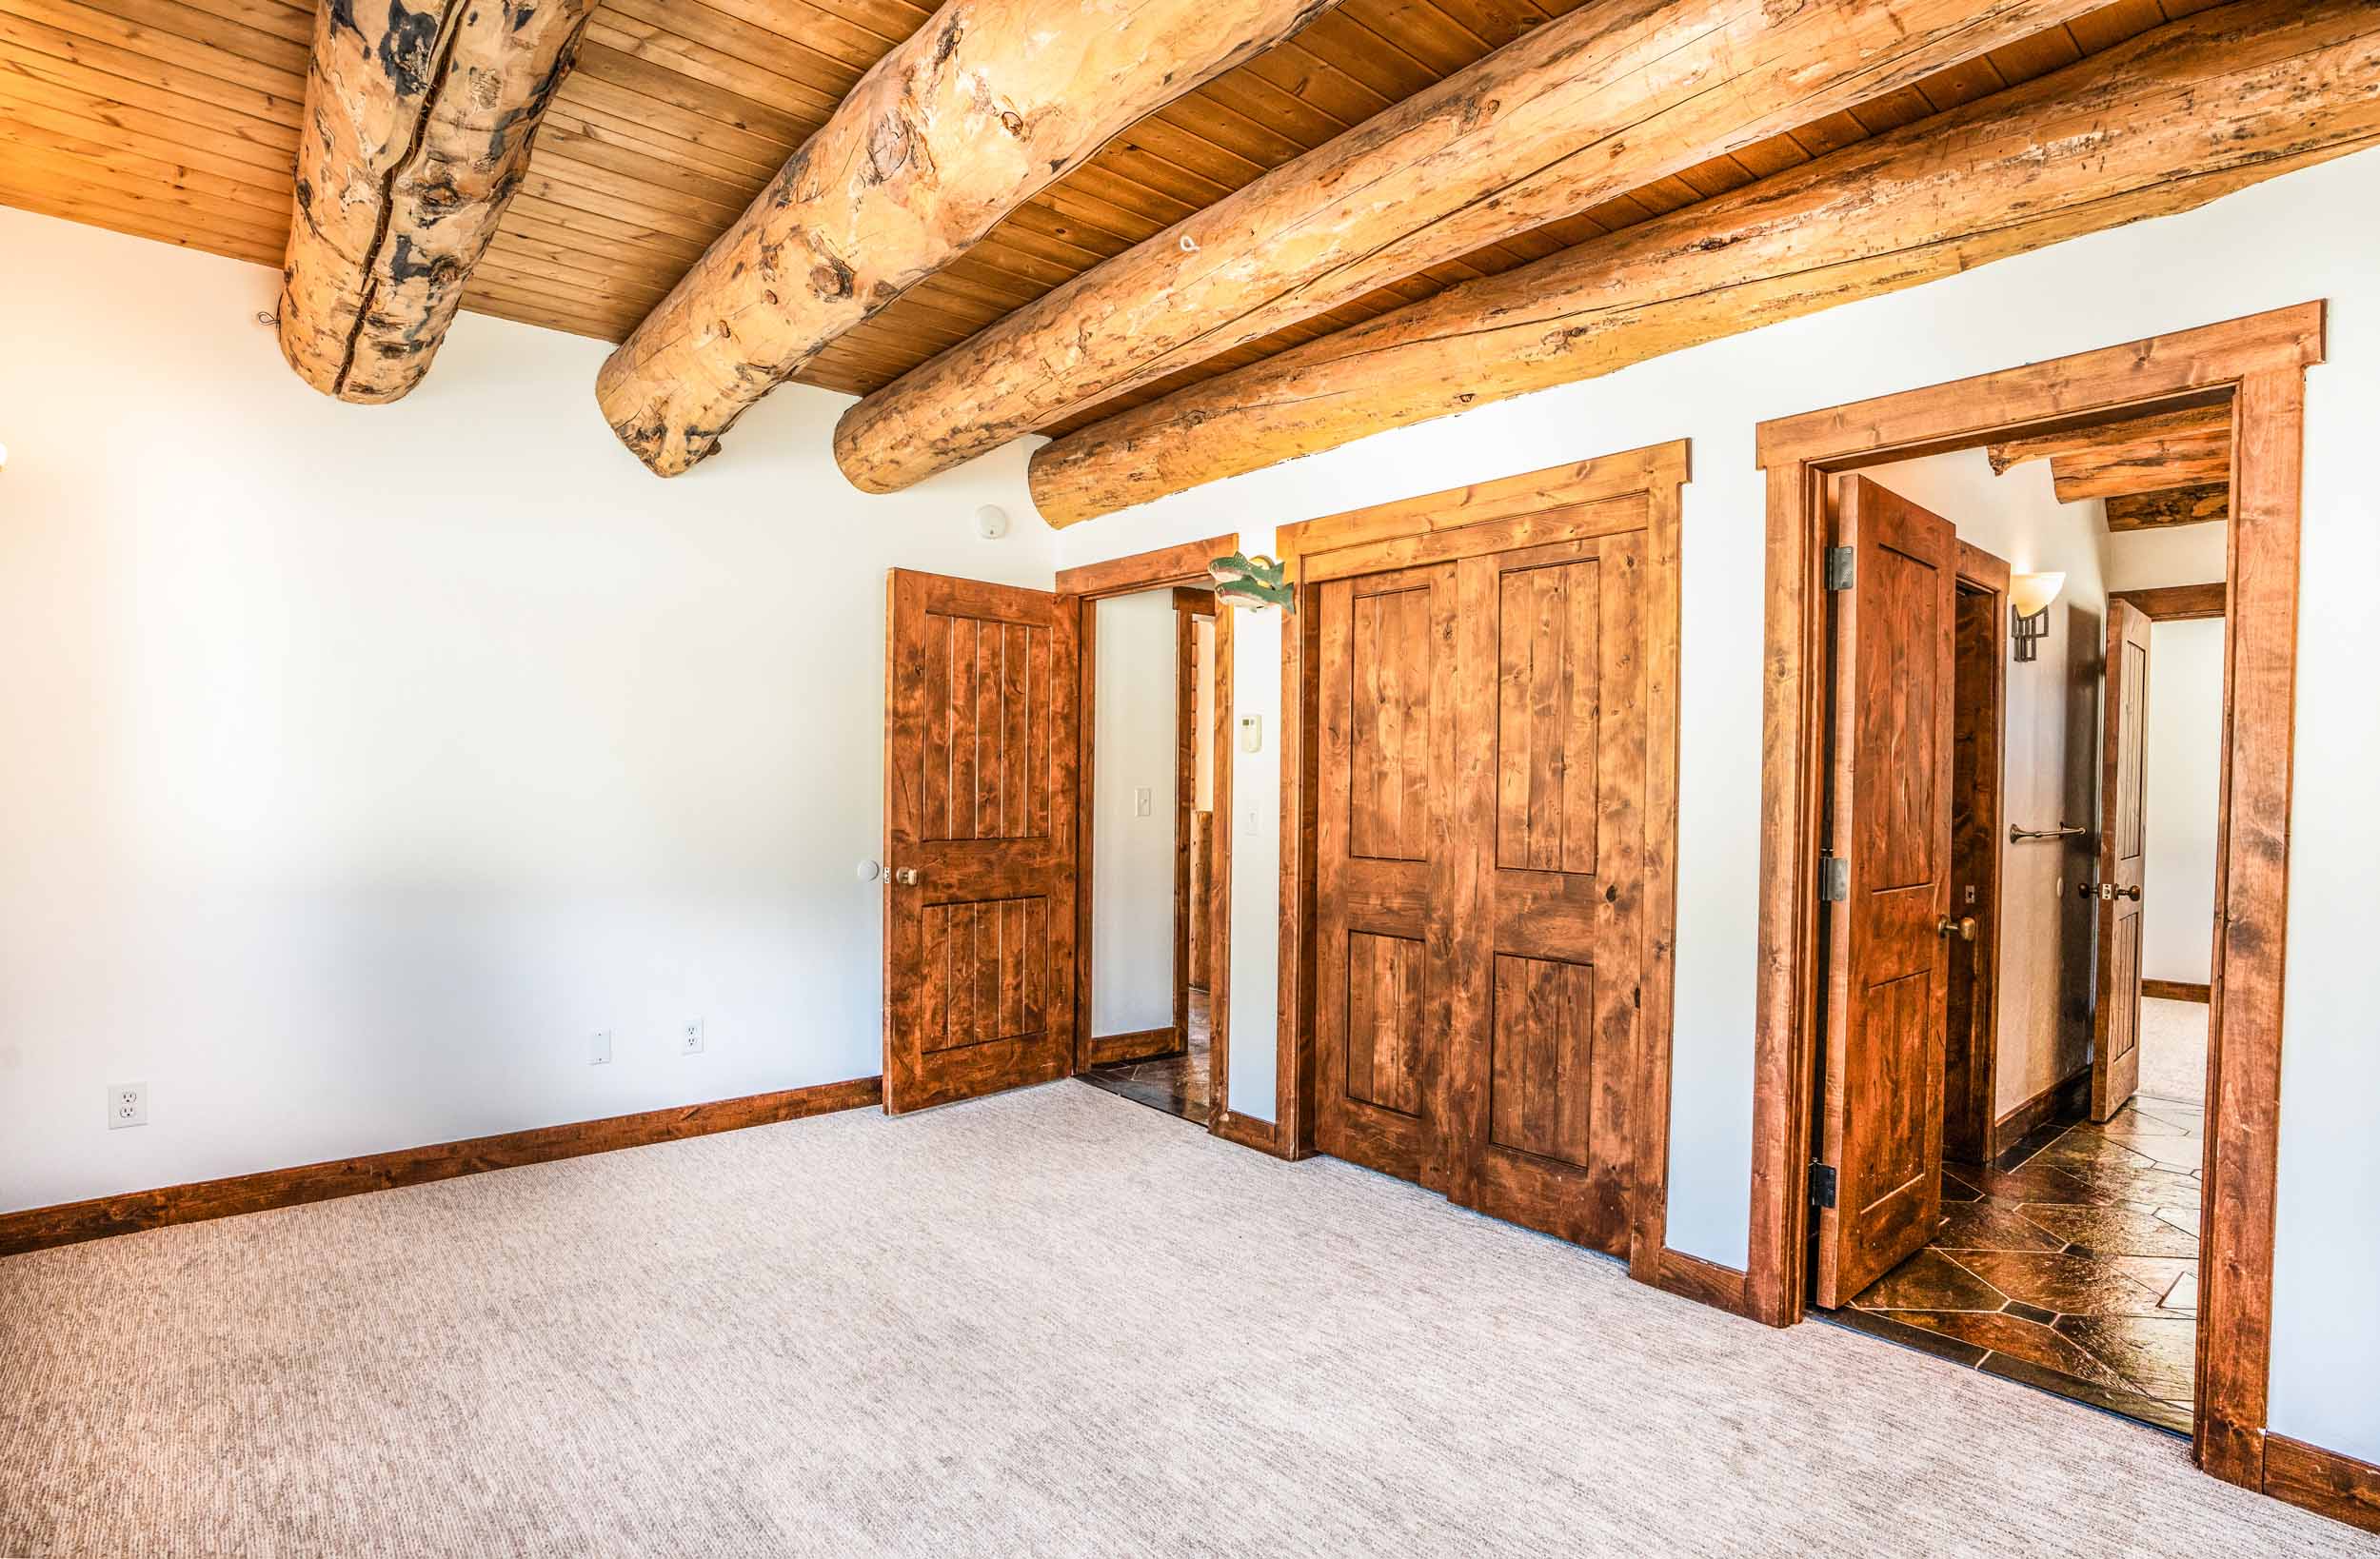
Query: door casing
(2257, 366)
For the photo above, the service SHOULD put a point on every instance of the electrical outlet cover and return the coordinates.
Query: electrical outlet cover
(690, 1036)
(599, 1049)
(127, 1105)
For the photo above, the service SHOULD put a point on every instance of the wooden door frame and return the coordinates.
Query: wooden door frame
(1085, 586)
(1189, 605)
(1465, 521)
(1981, 573)
(2257, 365)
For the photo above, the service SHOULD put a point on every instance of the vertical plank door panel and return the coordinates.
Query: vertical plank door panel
(1384, 779)
(979, 798)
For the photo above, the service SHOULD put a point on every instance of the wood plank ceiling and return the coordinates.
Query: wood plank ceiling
(178, 120)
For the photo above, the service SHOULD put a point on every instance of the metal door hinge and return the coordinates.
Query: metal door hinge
(1839, 568)
(1821, 1185)
(1833, 879)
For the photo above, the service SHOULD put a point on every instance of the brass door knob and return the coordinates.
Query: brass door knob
(907, 877)
(1964, 927)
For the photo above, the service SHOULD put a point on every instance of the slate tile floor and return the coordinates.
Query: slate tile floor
(2071, 1265)
(1177, 1084)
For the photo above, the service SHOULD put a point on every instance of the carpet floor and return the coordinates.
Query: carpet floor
(853, 1335)
(2173, 1050)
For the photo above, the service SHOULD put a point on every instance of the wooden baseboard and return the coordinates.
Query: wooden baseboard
(70, 1222)
(2040, 1111)
(2174, 990)
(1690, 1277)
(1111, 1049)
(2323, 1481)
(1248, 1132)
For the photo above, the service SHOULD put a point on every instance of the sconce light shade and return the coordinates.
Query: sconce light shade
(2029, 598)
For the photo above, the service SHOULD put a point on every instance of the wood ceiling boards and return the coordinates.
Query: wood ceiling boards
(178, 120)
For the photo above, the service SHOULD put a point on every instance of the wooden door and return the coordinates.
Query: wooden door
(2123, 827)
(979, 797)
(1890, 826)
(1386, 775)
(1549, 948)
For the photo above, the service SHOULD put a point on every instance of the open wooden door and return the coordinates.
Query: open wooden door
(979, 797)
(1889, 915)
(2115, 1025)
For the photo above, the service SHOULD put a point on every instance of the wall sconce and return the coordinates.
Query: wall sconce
(2029, 598)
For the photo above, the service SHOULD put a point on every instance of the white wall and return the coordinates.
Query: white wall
(2049, 756)
(364, 761)
(2184, 762)
(2307, 235)
(1132, 856)
(2144, 560)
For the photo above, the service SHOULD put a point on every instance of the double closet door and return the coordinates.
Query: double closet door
(1483, 941)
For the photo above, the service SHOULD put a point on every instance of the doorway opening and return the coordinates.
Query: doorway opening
(1150, 788)
(2063, 1198)
(1153, 844)
(1857, 875)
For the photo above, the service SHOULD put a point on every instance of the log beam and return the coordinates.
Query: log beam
(417, 126)
(2150, 467)
(2167, 122)
(1608, 98)
(2165, 424)
(968, 119)
(2179, 507)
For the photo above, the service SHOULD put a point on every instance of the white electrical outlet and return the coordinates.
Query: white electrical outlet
(127, 1105)
(690, 1036)
(599, 1048)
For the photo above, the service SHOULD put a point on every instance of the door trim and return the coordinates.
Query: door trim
(1465, 521)
(1982, 573)
(1184, 564)
(2257, 365)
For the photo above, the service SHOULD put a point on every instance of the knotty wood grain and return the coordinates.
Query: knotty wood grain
(1616, 94)
(2179, 116)
(944, 136)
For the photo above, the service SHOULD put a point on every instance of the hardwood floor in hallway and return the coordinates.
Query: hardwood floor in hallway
(1179, 1084)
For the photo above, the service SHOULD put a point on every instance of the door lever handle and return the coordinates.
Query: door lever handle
(907, 877)
(1963, 928)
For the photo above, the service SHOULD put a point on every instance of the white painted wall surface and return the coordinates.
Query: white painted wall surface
(366, 760)
(1132, 856)
(2049, 756)
(2184, 764)
(2307, 235)
(2144, 560)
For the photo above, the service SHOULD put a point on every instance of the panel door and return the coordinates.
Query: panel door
(1550, 927)
(1384, 783)
(1888, 953)
(980, 796)
(2123, 834)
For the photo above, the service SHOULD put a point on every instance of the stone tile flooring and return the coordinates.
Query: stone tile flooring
(2071, 1265)
(1177, 1084)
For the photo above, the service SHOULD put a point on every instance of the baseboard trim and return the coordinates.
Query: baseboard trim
(1113, 1049)
(69, 1223)
(2176, 989)
(1263, 1136)
(2038, 1111)
(2322, 1481)
(1673, 1271)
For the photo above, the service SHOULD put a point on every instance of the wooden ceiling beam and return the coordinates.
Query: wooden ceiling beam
(1608, 98)
(2176, 118)
(2178, 506)
(421, 124)
(2193, 421)
(975, 115)
(2150, 465)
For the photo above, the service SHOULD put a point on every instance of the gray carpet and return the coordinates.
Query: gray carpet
(2173, 1050)
(1051, 1323)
